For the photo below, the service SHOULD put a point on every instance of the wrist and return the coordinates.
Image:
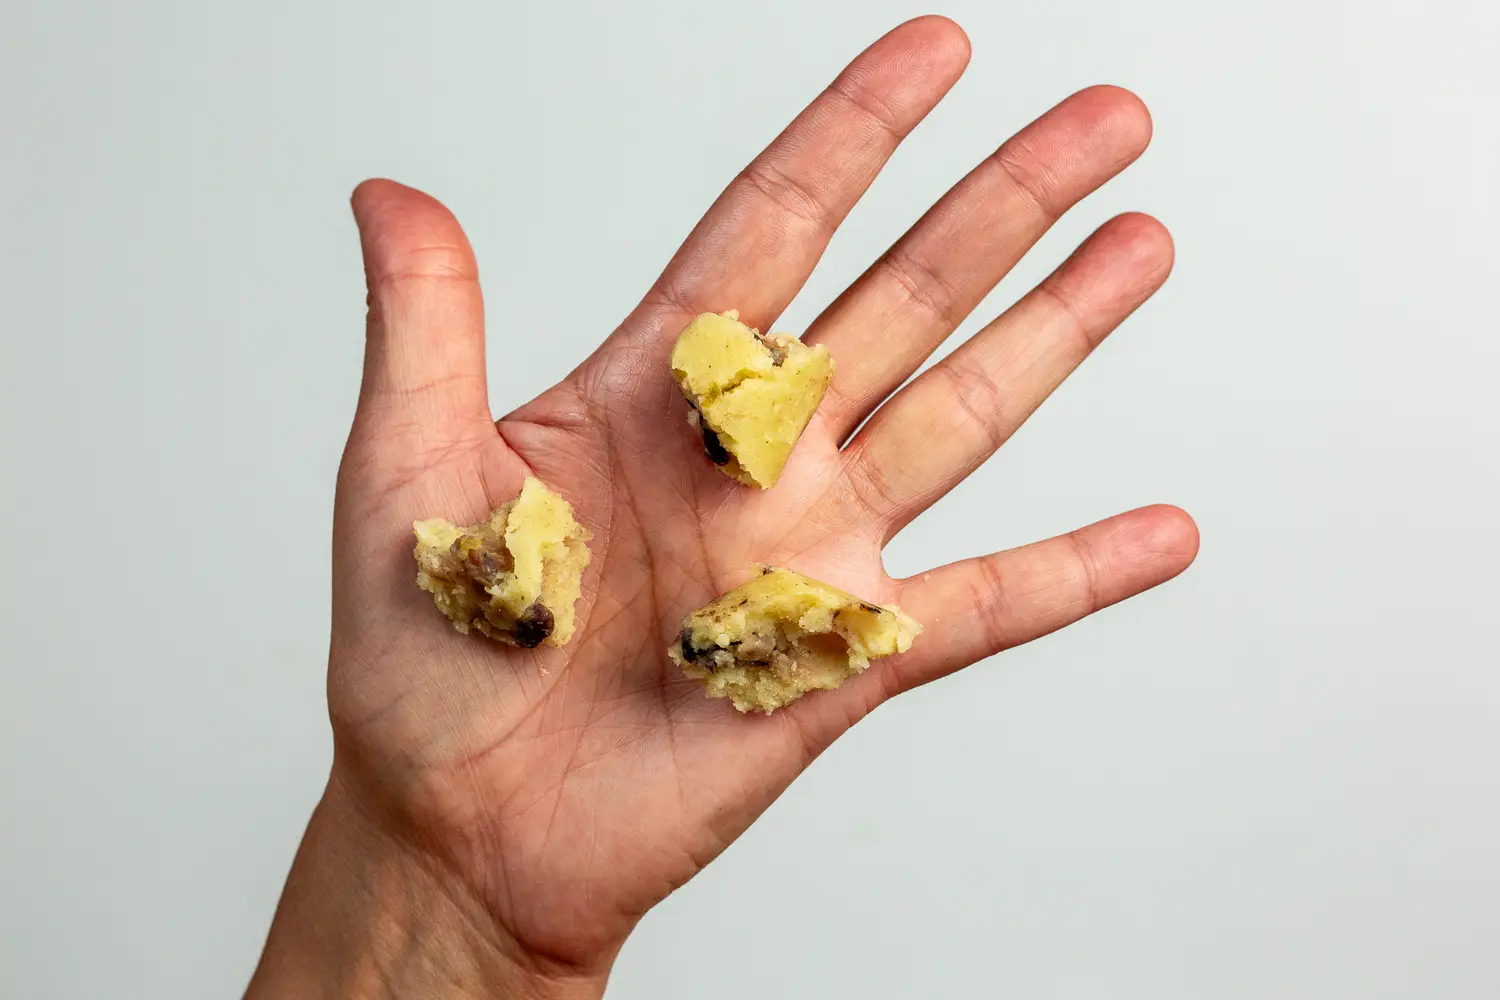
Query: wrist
(365, 915)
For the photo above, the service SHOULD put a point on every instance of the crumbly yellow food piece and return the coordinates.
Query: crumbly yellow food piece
(514, 577)
(763, 645)
(752, 394)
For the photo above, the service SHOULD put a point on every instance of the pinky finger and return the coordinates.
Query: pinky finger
(978, 607)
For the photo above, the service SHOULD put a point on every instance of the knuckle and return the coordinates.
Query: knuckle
(1088, 571)
(426, 263)
(923, 285)
(786, 192)
(1065, 307)
(871, 488)
(990, 596)
(977, 397)
(864, 102)
(1030, 175)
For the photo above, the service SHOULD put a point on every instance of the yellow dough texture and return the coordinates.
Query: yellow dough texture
(765, 644)
(752, 394)
(514, 577)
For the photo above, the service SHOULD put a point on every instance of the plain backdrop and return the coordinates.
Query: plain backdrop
(1274, 777)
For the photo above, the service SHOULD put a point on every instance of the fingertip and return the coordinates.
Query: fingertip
(1115, 270)
(928, 52)
(1144, 240)
(1128, 108)
(943, 35)
(375, 194)
(378, 195)
(365, 190)
(1120, 114)
(1171, 533)
(406, 231)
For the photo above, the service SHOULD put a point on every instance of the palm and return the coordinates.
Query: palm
(574, 787)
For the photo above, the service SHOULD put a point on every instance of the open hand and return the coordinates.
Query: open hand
(523, 808)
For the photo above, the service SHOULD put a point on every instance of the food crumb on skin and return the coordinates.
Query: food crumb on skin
(766, 643)
(751, 394)
(513, 577)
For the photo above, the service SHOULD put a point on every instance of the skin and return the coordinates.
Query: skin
(497, 820)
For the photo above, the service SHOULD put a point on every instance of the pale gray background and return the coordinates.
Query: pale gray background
(1275, 777)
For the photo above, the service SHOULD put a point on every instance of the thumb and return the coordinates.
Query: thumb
(424, 339)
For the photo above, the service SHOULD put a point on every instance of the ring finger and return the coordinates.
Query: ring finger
(937, 430)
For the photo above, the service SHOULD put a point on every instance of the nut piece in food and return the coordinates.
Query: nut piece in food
(752, 393)
(513, 577)
(763, 645)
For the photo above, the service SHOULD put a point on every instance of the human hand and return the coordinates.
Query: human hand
(502, 814)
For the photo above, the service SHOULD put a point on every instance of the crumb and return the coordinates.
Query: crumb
(513, 577)
(752, 394)
(765, 644)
